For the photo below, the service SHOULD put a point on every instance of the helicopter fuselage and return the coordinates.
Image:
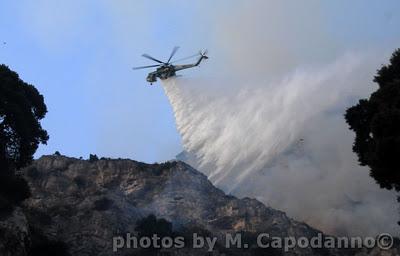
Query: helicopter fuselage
(163, 72)
(167, 70)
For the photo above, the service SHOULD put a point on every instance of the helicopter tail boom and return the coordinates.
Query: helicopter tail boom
(203, 55)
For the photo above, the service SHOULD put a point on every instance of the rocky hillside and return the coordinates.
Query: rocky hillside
(84, 204)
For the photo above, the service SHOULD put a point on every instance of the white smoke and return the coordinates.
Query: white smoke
(287, 144)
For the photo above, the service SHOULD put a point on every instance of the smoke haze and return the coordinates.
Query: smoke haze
(286, 143)
(266, 120)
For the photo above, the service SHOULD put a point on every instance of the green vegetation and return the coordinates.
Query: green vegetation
(376, 122)
(93, 158)
(42, 246)
(103, 204)
(21, 109)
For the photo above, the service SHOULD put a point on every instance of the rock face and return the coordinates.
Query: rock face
(87, 203)
(14, 235)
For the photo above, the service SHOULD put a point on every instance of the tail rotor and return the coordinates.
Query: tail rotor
(203, 54)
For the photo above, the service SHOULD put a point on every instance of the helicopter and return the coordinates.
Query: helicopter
(166, 70)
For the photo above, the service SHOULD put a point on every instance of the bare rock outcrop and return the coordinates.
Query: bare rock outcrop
(86, 204)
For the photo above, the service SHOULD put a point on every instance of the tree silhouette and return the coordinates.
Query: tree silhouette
(21, 109)
(151, 225)
(376, 122)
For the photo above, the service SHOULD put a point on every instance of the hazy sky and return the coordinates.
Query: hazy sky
(79, 55)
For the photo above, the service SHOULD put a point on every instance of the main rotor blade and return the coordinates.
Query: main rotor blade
(149, 57)
(151, 66)
(189, 57)
(173, 53)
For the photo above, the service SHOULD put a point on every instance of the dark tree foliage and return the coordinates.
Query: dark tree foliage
(376, 122)
(103, 204)
(50, 248)
(93, 158)
(151, 225)
(42, 246)
(21, 109)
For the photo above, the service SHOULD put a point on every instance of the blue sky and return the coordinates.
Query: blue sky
(79, 55)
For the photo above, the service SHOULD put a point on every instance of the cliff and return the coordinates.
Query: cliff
(86, 203)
